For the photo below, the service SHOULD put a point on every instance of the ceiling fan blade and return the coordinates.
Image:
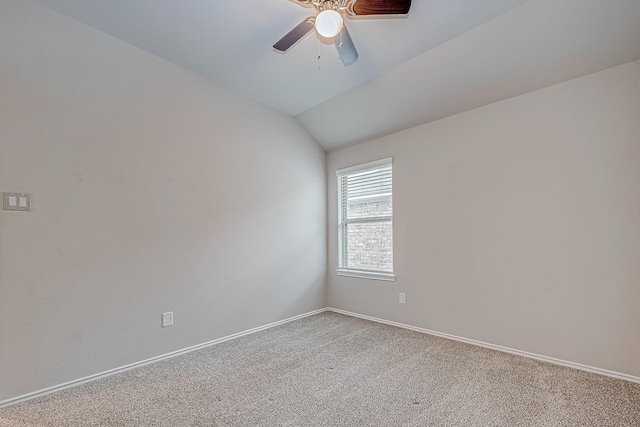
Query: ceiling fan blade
(345, 46)
(292, 37)
(381, 7)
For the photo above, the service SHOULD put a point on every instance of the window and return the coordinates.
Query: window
(365, 221)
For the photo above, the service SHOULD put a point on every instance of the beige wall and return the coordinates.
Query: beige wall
(516, 224)
(152, 191)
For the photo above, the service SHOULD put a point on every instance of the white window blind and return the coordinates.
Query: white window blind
(365, 217)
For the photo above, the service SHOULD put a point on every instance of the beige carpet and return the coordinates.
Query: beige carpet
(334, 370)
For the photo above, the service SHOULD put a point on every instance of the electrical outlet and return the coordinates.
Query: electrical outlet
(167, 319)
(402, 298)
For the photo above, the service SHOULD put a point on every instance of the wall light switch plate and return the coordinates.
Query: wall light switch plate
(402, 298)
(167, 319)
(16, 201)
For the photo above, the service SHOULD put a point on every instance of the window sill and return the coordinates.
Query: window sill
(389, 277)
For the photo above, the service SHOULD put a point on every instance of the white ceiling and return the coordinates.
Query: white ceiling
(445, 57)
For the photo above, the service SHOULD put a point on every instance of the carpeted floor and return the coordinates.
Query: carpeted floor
(334, 370)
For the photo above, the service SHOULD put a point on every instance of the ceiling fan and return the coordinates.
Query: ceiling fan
(329, 23)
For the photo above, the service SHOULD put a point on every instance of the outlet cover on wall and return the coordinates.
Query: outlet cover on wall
(402, 298)
(167, 319)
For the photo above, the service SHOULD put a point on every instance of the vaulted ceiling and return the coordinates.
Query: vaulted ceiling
(444, 57)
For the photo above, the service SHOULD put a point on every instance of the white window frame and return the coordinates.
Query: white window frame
(350, 272)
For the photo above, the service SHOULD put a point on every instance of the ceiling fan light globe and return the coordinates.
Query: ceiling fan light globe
(328, 23)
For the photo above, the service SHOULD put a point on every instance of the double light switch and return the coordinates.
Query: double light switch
(17, 201)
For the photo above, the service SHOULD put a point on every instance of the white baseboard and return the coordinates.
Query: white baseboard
(547, 359)
(48, 390)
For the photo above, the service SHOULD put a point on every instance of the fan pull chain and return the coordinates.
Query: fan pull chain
(340, 38)
(318, 54)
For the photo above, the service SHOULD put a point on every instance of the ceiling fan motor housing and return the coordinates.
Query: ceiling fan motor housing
(337, 5)
(362, 7)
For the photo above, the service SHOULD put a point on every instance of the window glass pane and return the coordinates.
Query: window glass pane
(369, 246)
